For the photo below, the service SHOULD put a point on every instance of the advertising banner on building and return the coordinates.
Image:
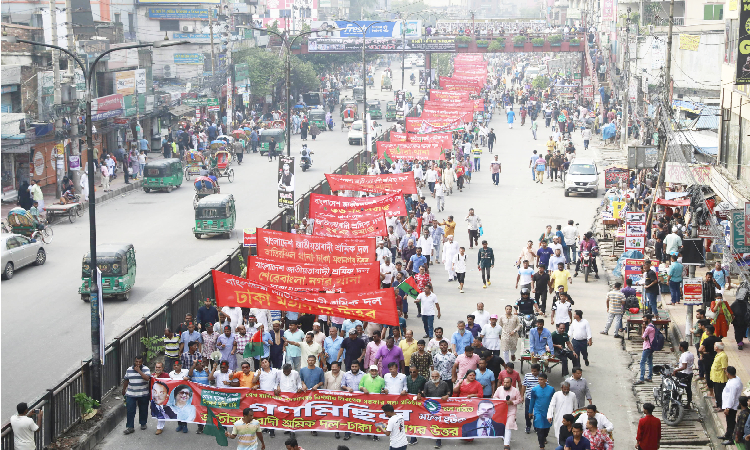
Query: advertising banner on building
(178, 13)
(743, 43)
(314, 277)
(379, 45)
(692, 291)
(328, 411)
(304, 248)
(125, 82)
(391, 205)
(286, 182)
(377, 306)
(608, 10)
(370, 224)
(188, 58)
(385, 183)
(374, 28)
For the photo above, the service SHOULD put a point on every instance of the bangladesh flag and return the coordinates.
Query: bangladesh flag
(254, 348)
(410, 287)
(215, 428)
(387, 157)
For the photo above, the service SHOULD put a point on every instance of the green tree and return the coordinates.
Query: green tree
(540, 82)
(265, 67)
(303, 77)
(325, 62)
(443, 62)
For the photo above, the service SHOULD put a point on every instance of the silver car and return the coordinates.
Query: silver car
(19, 251)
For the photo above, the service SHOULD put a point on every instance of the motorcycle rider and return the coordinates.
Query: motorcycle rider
(305, 159)
(526, 306)
(412, 78)
(590, 245)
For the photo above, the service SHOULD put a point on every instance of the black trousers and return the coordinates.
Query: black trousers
(739, 331)
(541, 435)
(718, 389)
(541, 300)
(731, 422)
(485, 275)
(688, 380)
(473, 238)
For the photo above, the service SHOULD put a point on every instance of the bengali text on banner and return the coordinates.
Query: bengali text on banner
(303, 248)
(314, 277)
(443, 95)
(444, 139)
(419, 125)
(423, 151)
(377, 306)
(331, 411)
(385, 183)
(360, 225)
(391, 205)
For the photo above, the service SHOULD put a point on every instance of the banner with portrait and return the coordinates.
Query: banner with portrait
(422, 151)
(348, 226)
(304, 248)
(391, 204)
(314, 277)
(384, 183)
(329, 411)
(377, 306)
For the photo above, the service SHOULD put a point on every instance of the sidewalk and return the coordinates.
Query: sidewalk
(117, 185)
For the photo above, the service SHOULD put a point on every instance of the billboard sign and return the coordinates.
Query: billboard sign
(177, 13)
(374, 29)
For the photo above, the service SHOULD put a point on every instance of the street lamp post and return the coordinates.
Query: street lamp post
(365, 143)
(288, 45)
(96, 367)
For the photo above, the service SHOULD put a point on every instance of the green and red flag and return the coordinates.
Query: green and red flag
(254, 348)
(409, 286)
(215, 428)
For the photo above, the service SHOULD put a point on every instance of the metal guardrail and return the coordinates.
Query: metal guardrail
(58, 404)
(60, 410)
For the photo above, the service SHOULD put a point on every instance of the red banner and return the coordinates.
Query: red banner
(461, 88)
(403, 182)
(444, 81)
(464, 105)
(303, 248)
(348, 226)
(444, 139)
(420, 125)
(423, 151)
(445, 95)
(452, 113)
(331, 411)
(377, 306)
(249, 237)
(314, 277)
(391, 205)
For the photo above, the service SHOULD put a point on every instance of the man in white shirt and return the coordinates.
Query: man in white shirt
(554, 260)
(268, 376)
(491, 335)
(673, 242)
(425, 242)
(396, 429)
(430, 308)
(289, 381)
(481, 317)
(459, 267)
(381, 252)
(235, 314)
(556, 245)
(562, 312)
(387, 273)
(372, 170)
(395, 382)
(580, 335)
(730, 398)
(524, 275)
(601, 420)
(571, 235)
(418, 172)
(684, 370)
(24, 427)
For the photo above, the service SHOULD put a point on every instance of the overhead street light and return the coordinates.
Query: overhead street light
(96, 366)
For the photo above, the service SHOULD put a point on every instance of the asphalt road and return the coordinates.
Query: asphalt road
(159, 225)
(512, 213)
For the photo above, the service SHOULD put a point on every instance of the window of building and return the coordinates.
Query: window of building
(131, 23)
(169, 25)
(117, 18)
(713, 12)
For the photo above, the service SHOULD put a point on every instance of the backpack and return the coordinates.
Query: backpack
(631, 302)
(657, 343)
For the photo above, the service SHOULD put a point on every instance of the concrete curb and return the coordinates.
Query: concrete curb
(114, 415)
(134, 185)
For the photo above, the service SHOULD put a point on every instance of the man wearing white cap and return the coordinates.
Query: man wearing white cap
(481, 317)
(673, 242)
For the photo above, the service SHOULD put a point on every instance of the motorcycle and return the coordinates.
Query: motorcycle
(585, 259)
(305, 161)
(528, 321)
(669, 395)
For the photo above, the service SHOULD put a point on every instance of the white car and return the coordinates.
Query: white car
(355, 133)
(532, 72)
(582, 177)
(19, 251)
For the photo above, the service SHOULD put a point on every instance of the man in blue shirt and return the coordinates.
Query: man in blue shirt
(191, 335)
(332, 345)
(486, 378)
(674, 275)
(543, 254)
(417, 261)
(312, 375)
(540, 339)
(207, 314)
(721, 277)
(461, 338)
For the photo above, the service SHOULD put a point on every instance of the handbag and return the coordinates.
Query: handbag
(481, 231)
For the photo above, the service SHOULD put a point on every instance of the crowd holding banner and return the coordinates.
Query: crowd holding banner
(423, 151)
(403, 182)
(314, 277)
(277, 245)
(391, 205)
(368, 224)
(331, 411)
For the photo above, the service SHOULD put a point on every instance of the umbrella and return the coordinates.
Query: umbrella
(229, 139)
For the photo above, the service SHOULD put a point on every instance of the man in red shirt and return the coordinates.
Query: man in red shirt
(649, 430)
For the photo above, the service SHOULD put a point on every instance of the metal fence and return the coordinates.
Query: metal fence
(58, 404)
(60, 409)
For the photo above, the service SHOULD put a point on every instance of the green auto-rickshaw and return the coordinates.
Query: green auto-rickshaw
(278, 135)
(117, 264)
(215, 214)
(390, 111)
(318, 117)
(164, 174)
(373, 107)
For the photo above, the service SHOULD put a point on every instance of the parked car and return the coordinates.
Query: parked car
(582, 177)
(355, 133)
(19, 251)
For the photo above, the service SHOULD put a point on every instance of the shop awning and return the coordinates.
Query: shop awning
(181, 110)
(675, 202)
